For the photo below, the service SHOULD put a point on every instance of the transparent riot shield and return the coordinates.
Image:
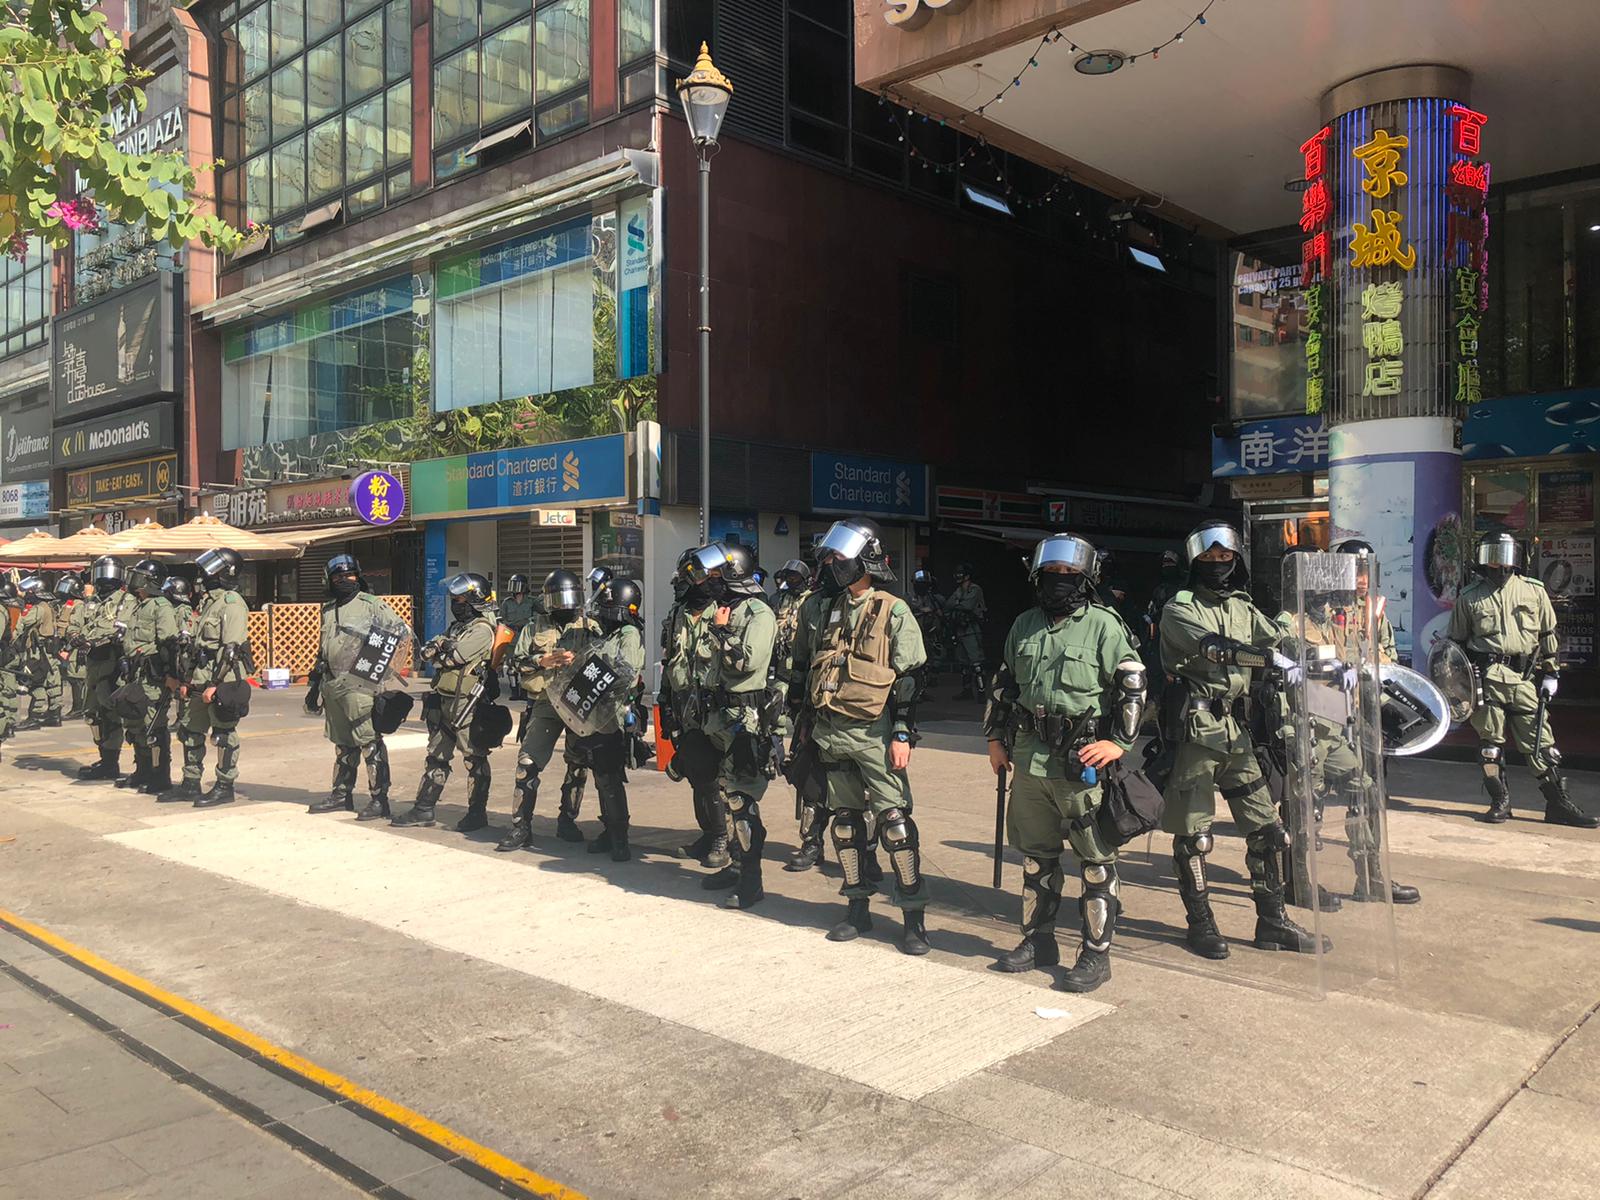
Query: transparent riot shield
(1451, 671)
(1336, 868)
(588, 694)
(371, 657)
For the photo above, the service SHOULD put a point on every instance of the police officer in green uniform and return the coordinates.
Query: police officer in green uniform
(518, 606)
(218, 658)
(74, 608)
(548, 642)
(1067, 701)
(857, 654)
(617, 609)
(180, 593)
(1211, 638)
(102, 648)
(690, 657)
(148, 647)
(36, 655)
(460, 657)
(803, 768)
(1507, 625)
(348, 616)
(966, 610)
(8, 664)
(739, 720)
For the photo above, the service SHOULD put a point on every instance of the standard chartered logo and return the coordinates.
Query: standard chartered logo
(902, 489)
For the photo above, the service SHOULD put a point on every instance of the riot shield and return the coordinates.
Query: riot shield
(1414, 713)
(1452, 673)
(588, 693)
(371, 657)
(1336, 868)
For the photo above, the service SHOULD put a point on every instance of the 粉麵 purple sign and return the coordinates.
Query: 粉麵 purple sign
(377, 498)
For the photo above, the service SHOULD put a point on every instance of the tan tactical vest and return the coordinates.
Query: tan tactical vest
(535, 681)
(854, 680)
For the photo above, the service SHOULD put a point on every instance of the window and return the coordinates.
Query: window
(317, 104)
(516, 319)
(24, 298)
(330, 366)
(637, 67)
(494, 67)
(818, 78)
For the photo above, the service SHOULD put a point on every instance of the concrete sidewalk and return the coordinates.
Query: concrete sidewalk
(609, 1026)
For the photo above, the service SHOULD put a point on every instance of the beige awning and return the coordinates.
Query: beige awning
(205, 533)
(330, 533)
(37, 546)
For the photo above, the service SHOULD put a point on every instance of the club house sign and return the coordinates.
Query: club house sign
(900, 12)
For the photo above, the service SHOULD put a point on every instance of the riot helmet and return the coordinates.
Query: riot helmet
(1352, 546)
(219, 568)
(922, 582)
(469, 595)
(723, 570)
(618, 602)
(342, 577)
(177, 590)
(69, 587)
(31, 589)
(962, 573)
(598, 578)
(144, 577)
(1169, 560)
(1217, 573)
(1063, 571)
(562, 592)
(759, 574)
(517, 584)
(106, 573)
(793, 576)
(848, 551)
(1365, 556)
(1499, 552)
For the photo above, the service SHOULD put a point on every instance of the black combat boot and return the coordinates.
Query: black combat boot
(1558, 806)
(221, 793)
(619, 843)
(187, 791)
(345, 761)
(857, 920)
(1499, 799)
(376, 809)
(29, 725)
(477, 802)
(421, 811)
(748, 891)
(567, 829)
(914, 937)
(1274, 930)
(1099, 906)
(1369, 887)
(1041, 900)
(109, 766)
(52, 720)
(141, 769)
(601, 843)
(160, 779)
(520, 836)
(813, 824)
(726, 878)
(1189, 860)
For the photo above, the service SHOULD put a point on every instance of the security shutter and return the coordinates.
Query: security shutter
(535, 552)
(309, 572)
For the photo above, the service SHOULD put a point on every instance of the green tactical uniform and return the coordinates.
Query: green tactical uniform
(538, 637)
(1065, 673)
(804, 770)
(1509, 633)
(38, 664)
(221, 640)
(967, 611)
(1216, 753)
(103, 659)
(689, 675)
(853, 749)
(463, 653)
(606, 754)
(517, 611)
(8, 676)
(74, 666)
(148, 647)
(347, 705)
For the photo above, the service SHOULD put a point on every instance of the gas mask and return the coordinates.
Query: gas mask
(563, 616)
(1214, 575)
(696, 596)
(1062, 592)
(345, 587)
(1498, 575)
(837, 574)
(717, 589)
(462, 610)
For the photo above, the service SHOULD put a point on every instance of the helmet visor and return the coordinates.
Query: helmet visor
(844, 540)
(563, 595)
(1500, 553)
(1213, 537)
(462, 585)
(704, 561)
(1064, 549)
(598, 576)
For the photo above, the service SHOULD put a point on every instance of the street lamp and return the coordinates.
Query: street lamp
(705, 93)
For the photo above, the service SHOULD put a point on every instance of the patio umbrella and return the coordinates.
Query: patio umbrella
(207, 533)
(34, 547)
(88, 544)
(129, 540)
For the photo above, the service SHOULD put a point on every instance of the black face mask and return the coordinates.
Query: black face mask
(696, 596)
(609, 624)
(1214, 575)
(345, 587)
(1062, 592)
(1497, 575)
(563, 616)
(838, 574)
(462, 610)
(717, 589)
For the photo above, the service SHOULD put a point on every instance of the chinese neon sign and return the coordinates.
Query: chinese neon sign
(1316, 257)
(1468, 234)
(377, 497)
(1378, 243)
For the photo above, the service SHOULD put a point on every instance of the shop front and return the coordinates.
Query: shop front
(25, 468)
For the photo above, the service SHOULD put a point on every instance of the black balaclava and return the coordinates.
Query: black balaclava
(1498, 575)
(838, 574)
(716, 588)
(696, 596)
(345, 587)
(1214, 575)
(1062, 592)
(462, 610)
(563, 616)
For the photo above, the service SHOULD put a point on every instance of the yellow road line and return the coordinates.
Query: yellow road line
(390, 1110)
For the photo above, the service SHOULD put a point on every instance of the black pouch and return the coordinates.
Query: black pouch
(489, 726)
(128, 702)
(232, 701)
(390, 709)
(1130, 806)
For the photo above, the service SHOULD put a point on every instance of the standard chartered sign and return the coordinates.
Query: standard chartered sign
(855, 483)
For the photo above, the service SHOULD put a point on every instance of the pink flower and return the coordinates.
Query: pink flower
(77, 215)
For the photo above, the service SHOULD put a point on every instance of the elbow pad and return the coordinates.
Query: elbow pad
(998, 713)
(1128, 700)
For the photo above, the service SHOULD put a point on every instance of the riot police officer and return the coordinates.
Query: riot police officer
(8, 664)
(1067, 702)
(148, 647)
(102, 643)
(349, 615)
(598, 578)
(1506, 624)
(547, 643)
(1211, 637)
(74, 609)
(1369, 608)
(36, 655)
(518, 606)
(738, 719)
(460, 656)
(617, 608)
(215, 684)
(857, 653)
(966, 609)
(803, 768)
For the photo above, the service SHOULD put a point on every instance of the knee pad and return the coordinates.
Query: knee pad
(1490, 755)
(1553, 756)
(896, 830)
(1270, 837)
(1097, 874)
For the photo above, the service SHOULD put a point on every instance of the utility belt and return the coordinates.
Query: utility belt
(1482, 660)
(1064, 736)
(1219, 707)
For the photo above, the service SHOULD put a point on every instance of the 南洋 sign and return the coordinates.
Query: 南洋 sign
(377, 498)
